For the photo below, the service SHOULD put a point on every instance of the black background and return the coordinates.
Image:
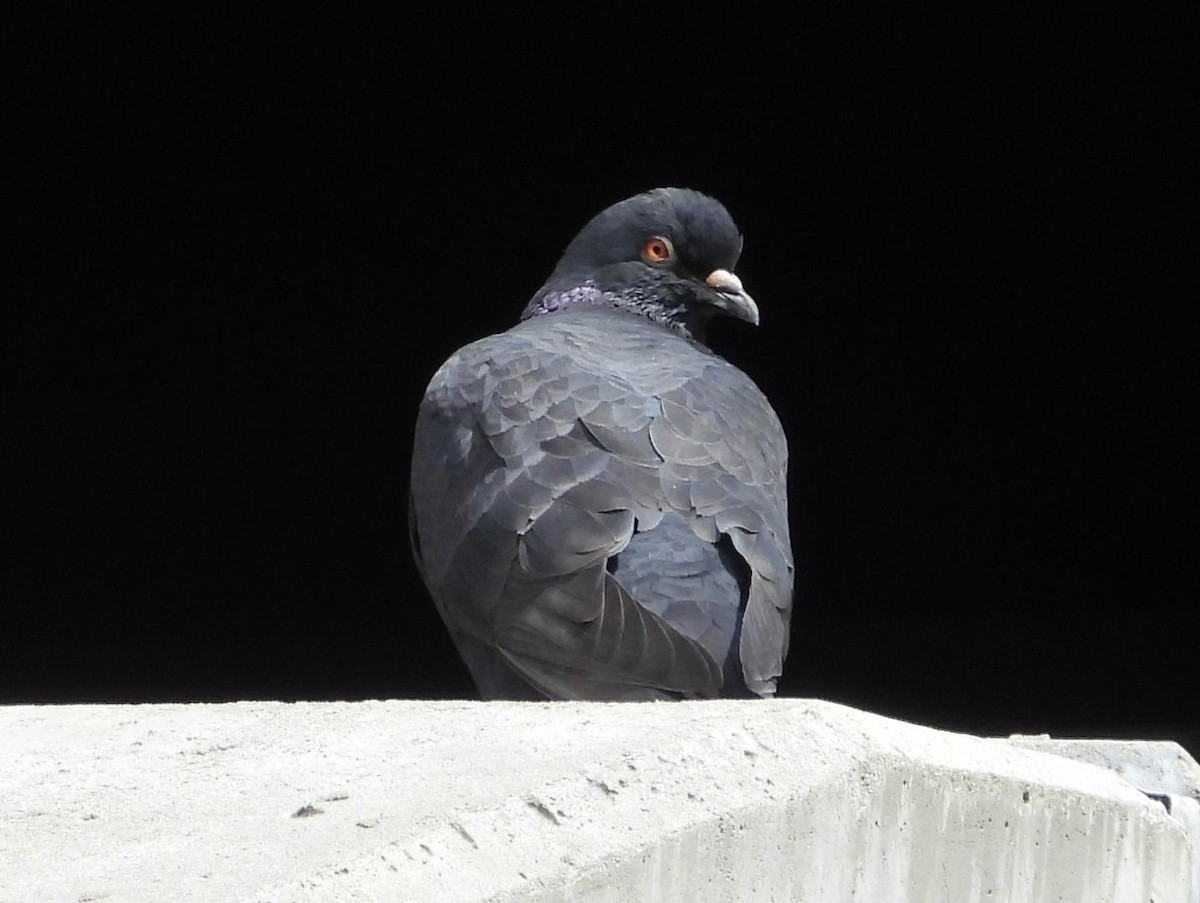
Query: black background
(247, 244)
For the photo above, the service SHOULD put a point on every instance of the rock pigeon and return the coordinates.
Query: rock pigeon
(598, 501)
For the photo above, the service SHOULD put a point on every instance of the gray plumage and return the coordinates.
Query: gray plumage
(598, 500)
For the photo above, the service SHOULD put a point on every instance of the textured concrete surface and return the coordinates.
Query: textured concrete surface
(447, 801)
(1162, 770)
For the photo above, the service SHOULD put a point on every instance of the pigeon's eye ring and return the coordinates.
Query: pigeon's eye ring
(658, 251)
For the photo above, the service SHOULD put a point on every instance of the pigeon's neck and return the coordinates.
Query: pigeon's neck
(678, 319)
(548, 300)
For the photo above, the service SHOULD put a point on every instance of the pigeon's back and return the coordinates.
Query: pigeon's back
(599, 512)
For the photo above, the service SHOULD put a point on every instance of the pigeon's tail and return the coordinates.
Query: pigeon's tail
(493, 674)
(586, 637)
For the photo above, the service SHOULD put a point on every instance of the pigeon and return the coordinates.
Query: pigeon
(598, 500)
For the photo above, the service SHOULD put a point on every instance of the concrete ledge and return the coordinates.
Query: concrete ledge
(447, 801)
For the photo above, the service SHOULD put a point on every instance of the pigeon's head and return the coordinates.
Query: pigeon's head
(668, 254)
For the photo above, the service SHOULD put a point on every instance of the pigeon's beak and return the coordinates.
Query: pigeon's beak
(731, 297)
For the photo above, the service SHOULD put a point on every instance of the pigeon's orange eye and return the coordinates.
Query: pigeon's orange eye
(657, 249)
